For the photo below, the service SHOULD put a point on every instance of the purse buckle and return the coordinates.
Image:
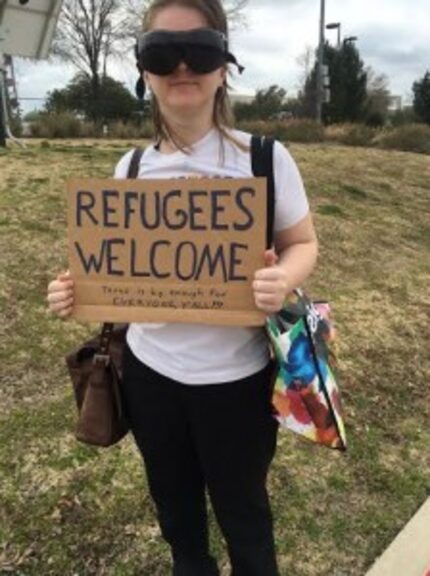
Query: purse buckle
(102, 359)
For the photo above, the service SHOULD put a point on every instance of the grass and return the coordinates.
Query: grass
(70, 509)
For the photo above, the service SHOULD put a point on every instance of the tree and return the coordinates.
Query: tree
(235, 10)
(267, 103)
(404, 116)
(88, 33)
(421, 90)
(348, 82)
(308, 97)
(348, 86)
(378, 98)
(305, 61)
(32, 116)
(115, 101)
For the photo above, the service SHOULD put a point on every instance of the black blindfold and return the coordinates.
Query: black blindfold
(160, 52)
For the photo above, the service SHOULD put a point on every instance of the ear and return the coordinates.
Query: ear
(223, 72)
(146, 79)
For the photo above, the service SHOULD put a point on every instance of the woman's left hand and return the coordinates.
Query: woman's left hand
(270, 284)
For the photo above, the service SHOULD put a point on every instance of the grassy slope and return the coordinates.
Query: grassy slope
(59, 500)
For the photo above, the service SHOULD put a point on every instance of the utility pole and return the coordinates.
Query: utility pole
(320, 88)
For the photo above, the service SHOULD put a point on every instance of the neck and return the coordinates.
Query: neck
(187, 130)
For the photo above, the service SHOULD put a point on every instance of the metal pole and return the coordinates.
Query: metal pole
(338, 37)
(320, 64)
(5, 131)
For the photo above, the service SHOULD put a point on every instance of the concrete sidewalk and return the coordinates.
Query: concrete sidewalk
(409, 553)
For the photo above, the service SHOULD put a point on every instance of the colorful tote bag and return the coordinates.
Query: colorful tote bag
(306, 396)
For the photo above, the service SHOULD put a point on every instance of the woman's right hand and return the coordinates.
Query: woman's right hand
(60, 295)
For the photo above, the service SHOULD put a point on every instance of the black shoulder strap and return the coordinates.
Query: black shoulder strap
(133, 167)
(262, 165)
(107, 328)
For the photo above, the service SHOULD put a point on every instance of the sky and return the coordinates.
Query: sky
(393, 37)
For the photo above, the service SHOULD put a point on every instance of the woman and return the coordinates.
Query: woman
(198, 396)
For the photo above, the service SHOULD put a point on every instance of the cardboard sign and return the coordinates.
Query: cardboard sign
(181, 250)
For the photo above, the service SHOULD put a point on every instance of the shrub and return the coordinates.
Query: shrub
(122, 130)
(146, 129)
(290, 130)
(301, 131)
(409, 138)
(89, 130)
(16, 125)
(64, 125)
(351, 134)
(401, 117)
(257, 127)
(335, 132)
(376, 119)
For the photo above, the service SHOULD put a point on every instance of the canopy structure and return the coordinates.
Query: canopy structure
(26, 29)
(27, 26)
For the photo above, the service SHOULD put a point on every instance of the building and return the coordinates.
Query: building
(237, 97)
(395, 103)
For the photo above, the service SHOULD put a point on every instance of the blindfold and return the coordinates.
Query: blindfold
(160, 52)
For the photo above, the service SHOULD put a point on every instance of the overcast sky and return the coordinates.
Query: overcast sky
(393, 38)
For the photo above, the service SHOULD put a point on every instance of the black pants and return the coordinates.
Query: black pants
(221, 437)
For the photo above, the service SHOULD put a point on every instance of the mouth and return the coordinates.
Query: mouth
(184, 83)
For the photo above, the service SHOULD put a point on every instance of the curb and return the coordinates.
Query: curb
(409, 553)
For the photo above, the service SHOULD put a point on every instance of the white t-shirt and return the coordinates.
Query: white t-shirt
(199, 353)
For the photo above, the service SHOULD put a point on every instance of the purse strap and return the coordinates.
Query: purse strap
(133, 167)
(262, 165)
(107, 328)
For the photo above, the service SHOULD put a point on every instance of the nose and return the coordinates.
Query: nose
(182, 66)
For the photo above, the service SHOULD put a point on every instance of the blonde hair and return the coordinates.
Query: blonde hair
(222, 117)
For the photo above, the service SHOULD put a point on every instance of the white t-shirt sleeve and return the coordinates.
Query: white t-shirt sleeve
(291, 203)
(121, 169)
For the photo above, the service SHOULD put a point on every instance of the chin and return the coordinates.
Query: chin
(187, 104)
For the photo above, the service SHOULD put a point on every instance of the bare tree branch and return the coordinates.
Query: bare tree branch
(235, 9)
(236, 13)
(305, 61)
(90, 32)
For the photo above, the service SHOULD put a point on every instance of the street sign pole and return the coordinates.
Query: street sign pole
(320, 87)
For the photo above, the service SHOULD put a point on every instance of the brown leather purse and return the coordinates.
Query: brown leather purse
(95, 369)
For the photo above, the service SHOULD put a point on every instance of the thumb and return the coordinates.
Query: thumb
(270, 258)
(64, 275)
